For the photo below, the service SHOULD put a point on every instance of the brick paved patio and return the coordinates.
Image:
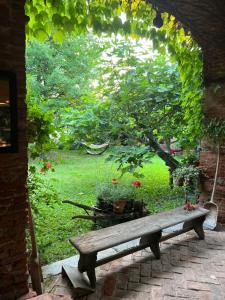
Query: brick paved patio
(188, 269)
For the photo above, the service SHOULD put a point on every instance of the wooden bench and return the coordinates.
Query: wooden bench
(149, 229)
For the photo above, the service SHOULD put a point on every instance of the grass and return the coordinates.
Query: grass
(76, 176)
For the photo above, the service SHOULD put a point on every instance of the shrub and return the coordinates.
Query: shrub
(41, 193)
(44, 202)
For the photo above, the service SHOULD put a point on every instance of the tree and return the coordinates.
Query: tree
(130, 18)
(144, 94)
(59, 78)
(127, 93)
(63, 71)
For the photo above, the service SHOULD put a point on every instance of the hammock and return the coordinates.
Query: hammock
(94, 149)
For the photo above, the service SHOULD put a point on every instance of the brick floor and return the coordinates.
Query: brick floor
(188, 269)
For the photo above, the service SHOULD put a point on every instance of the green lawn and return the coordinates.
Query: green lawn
(76, 176)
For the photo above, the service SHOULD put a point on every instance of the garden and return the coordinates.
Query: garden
(135, 90)
(77, 177)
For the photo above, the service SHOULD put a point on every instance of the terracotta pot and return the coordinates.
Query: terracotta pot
(119, 206)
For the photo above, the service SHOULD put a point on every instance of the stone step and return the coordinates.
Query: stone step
(45, 296)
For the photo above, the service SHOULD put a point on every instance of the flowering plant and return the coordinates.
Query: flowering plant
(187, 174)
(136, 183)
(114, 190)
(47, 166)
(189, 206)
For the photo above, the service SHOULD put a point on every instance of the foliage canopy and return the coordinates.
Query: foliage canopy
(53, 19)
(96, 89)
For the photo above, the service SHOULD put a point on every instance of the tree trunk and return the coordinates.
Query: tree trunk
(171, 179)
(168, 144)
(169, 160)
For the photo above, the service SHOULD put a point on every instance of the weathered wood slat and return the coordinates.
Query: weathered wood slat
(149, 229)
(133, 249)
(85, 207)
(79, 281)
(102, 239)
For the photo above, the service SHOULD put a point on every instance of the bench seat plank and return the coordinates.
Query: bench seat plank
(105, 238)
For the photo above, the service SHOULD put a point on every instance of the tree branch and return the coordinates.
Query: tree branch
(85, 207)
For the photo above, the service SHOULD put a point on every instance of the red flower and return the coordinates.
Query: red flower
(115, 181)
(189, 206)
(136, 183)
(48, 165)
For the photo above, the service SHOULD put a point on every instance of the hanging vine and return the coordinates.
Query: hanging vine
(54, 19)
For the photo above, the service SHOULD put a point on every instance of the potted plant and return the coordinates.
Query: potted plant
(117, 197)
(188, 176)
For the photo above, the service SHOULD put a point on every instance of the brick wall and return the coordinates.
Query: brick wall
(208, 162)
(13, 214)
(214, 107)
(202, 17)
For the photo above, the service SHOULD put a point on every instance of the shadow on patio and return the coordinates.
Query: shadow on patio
(189, 268)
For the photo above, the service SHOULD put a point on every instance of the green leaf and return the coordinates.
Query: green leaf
(58, 36)
(41, 35)
(57, 19)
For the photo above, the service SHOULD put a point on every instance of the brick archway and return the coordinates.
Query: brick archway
(205, 18)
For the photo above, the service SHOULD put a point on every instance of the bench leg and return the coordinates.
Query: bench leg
(87, 262)
(92, 277)
(198, 227)
(153, 241)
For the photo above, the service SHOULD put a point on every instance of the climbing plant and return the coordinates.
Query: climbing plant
(51, 19)
(55, 18)
(214, 130)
